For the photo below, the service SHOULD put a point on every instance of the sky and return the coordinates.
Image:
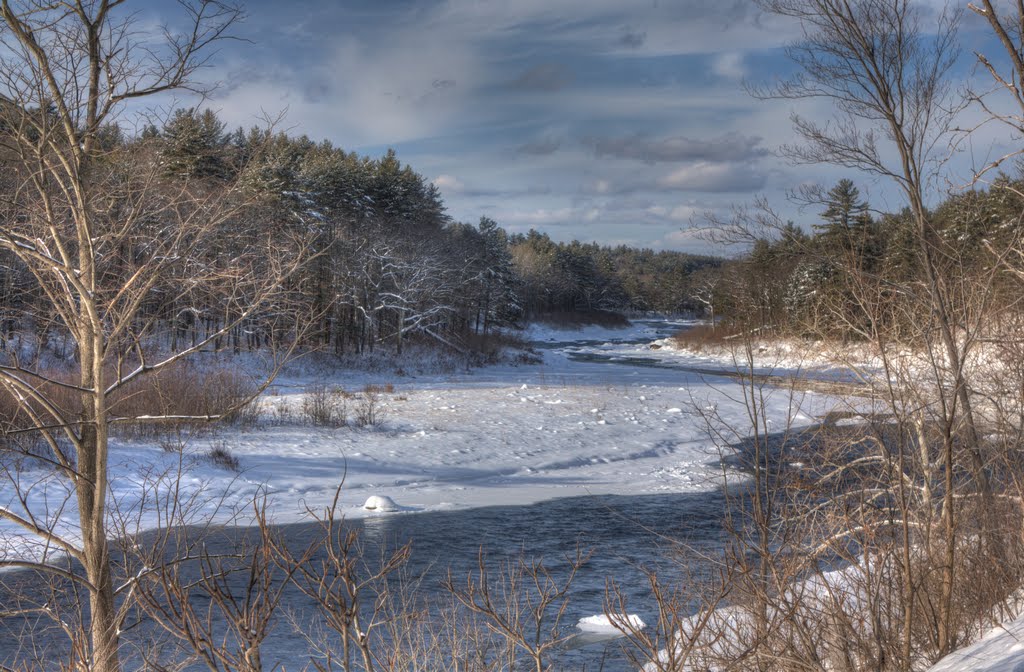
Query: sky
(616, 121)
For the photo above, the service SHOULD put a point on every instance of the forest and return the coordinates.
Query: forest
(387, 263)
(816, 283)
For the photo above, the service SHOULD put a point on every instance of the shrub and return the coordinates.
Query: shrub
(188, 395)
(186, 390)
(220, 456)
(325, 406)
(703, 336)
(368, 412)
(491, 348)
(283, 413)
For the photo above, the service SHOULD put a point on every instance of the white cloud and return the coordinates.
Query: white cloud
(730, 65)
(431, 79)
(540, 216)
(713, 177)
(692, 26)
(368, 89)
(689, 240)
(449, 183)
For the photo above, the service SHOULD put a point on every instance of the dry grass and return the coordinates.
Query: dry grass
(704, 336)
(221, 456)
(369, 411)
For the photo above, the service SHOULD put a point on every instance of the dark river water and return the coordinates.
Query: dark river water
(625, 537)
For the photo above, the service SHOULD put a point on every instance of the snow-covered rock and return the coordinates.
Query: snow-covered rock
(380, 503)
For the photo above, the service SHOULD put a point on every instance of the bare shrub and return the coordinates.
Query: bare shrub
(858, 545)
(493, 347)
(702, 336)
(325, 406)
(369, 412)
(522, 602)
(351, 600)
(192, 393)
(221, 456)
(238, 596)
(182, 396)
(283, 413)
(172, 442)
(679, 637)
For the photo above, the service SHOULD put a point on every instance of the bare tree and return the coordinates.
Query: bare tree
(104, 237)
(885, 64)
(354, 603)
(1007, 78)
(705, 291)
(240, 594)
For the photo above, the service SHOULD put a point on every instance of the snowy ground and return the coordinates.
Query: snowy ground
(500, 435)
(1001, 650)
(810, 359)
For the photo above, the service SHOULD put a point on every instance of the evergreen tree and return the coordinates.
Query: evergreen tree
(845, 210)
(849, 239)
(194, 144)
(499, 301)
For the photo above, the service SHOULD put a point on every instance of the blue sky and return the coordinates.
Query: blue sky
(620, 121)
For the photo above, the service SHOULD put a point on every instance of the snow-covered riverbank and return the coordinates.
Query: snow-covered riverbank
(500, 435)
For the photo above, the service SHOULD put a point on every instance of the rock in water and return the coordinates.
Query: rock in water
(380, 503)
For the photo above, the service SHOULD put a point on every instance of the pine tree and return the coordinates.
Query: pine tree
(194, 144)
(846, 211)
(499, 301)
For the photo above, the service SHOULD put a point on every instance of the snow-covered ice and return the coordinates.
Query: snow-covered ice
(497, 436)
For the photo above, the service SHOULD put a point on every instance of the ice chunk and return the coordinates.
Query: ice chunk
(601, 623)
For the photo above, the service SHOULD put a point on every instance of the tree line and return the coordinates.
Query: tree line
(387, 262)
(795, 282)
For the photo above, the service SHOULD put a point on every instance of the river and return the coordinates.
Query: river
(625, 536)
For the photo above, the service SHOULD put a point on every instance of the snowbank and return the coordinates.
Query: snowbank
(1001, 650)
(818, 360)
